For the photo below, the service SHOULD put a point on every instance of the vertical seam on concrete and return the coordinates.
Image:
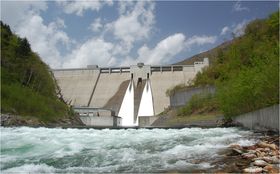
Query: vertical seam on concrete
(152, 96)
(93, 89)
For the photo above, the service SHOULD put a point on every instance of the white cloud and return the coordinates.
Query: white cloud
(225, 30)
(125, 6)
(98, 51)
(24, 19)
(94, 51)
(48, 39)
(78, 7)
(103, 53)
(121, 49)
(12, 12)
(44, 39)
(200, 40)
(60, 23)
(239, 29)
(135, 22)
(236, 29)
(96, 26)
(164, 51)
(237, 7)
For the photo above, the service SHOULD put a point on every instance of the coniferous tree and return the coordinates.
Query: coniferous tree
(23, 50)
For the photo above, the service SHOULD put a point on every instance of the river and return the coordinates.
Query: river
(56, 150)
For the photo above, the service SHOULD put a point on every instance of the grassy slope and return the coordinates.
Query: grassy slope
(27, 87)
(246, 73)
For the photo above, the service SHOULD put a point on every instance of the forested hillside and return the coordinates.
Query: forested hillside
(246, 74)
(27, 87)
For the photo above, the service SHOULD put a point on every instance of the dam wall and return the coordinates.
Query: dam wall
(105, 87)
(76, 84)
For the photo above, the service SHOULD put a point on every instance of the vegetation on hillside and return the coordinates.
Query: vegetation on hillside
(246, 75)
(27, 86)
(199, 104)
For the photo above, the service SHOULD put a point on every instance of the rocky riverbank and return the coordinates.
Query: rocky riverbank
(17, 120)
(262, 157)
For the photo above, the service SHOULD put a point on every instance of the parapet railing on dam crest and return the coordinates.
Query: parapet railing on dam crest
(141, 66)
(128, 69)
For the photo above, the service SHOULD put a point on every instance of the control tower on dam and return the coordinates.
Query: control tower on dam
(110, 87)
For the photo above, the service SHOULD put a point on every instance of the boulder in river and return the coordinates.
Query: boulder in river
(248, 155)
(253, 170)
(271, 169)
(235, 146)
(237, 151)
(264, 145)
(260, 163)
(274, 160)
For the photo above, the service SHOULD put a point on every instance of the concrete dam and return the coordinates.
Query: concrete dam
(132, 93)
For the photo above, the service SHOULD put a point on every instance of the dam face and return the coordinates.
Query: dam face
(141, 89)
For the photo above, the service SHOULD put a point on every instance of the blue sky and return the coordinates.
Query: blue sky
(73, 34)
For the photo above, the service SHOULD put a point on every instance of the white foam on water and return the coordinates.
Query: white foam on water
(31, 169)
(245, 142)
(39, 150)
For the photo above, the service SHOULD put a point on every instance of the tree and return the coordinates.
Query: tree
(23, 49)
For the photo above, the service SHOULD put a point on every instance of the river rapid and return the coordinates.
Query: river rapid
(56, 150)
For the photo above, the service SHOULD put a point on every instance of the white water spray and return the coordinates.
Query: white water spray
(56, 150)
(146, 107)
(127, 108)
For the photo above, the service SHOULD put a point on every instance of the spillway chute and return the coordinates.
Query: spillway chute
(127, 107)
(146, 107)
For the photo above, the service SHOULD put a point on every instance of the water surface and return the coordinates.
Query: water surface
(54, 150)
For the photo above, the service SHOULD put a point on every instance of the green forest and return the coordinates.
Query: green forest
(246, 75)
(27, 86)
